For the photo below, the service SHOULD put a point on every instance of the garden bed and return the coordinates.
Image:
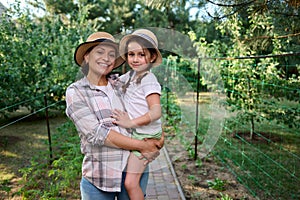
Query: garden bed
(23, 140)
(207, 180)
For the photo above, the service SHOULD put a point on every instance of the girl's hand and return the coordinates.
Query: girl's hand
(122, 119)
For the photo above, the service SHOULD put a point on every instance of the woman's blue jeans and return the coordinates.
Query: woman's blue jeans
(90, 192)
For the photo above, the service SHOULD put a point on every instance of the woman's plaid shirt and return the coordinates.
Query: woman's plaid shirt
(90, 107)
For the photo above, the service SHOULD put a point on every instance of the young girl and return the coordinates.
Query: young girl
(141, 95)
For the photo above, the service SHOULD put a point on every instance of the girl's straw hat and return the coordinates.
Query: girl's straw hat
(145, 34)
(92, 41)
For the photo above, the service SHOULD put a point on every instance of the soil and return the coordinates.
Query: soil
(194, 178)
(21, 140)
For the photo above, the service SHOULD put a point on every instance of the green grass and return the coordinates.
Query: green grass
(60, 178)
(268, 165)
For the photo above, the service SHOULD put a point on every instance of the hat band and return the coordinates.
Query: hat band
(147, 38)
(102, 40)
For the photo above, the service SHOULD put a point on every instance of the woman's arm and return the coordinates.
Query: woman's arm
(115, 139)
(149, 148)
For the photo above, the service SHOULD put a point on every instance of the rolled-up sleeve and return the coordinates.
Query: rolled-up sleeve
(81, 113)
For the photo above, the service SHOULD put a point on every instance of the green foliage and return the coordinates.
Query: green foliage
(249, 83)
(59, 7)
(187, 68)
(217, 184)
(178, 126)
(5, 186)
(37, 57)
(171, 110)
(59, 179)
(224, 197)
(122, 15)
(268, 164)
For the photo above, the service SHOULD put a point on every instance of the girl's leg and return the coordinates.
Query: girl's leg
(123, 195)
(135, 168)
(90, 192)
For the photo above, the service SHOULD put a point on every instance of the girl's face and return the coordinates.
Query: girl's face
(101, 59)
(138, 58)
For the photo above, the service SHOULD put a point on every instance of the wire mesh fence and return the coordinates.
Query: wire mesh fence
(27, 114)
(260, 142)
(248, 118)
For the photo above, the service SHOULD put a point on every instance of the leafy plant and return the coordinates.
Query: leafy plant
(217, 184)
(37, 54)
(4, 186)
(59, 179)
(224, 197)
(249, 83)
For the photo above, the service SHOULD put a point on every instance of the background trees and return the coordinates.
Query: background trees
(259, 30)
(36, 52)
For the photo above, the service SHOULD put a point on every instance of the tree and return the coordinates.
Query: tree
(249, 82)
(36, 58)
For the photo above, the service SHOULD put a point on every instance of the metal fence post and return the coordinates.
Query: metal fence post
(48, 128)
(197, 109)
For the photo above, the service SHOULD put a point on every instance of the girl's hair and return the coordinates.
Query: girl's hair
(145, 45)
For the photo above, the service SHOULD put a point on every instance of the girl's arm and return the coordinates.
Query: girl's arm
(154, 113)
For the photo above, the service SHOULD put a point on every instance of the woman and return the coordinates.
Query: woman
(90, 102)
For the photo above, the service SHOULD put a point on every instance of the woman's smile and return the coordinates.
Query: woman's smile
(101, 64)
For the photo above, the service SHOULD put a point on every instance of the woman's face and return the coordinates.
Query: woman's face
(138, 58)
(101, 59)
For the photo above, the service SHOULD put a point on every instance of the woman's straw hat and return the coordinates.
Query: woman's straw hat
(145, 34)
(92, 41)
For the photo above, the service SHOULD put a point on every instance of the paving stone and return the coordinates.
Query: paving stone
(162, 184)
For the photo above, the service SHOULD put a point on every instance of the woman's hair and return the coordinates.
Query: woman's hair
(85, 68)
(83, 71)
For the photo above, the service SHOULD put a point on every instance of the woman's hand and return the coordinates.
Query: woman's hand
(152, 151)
